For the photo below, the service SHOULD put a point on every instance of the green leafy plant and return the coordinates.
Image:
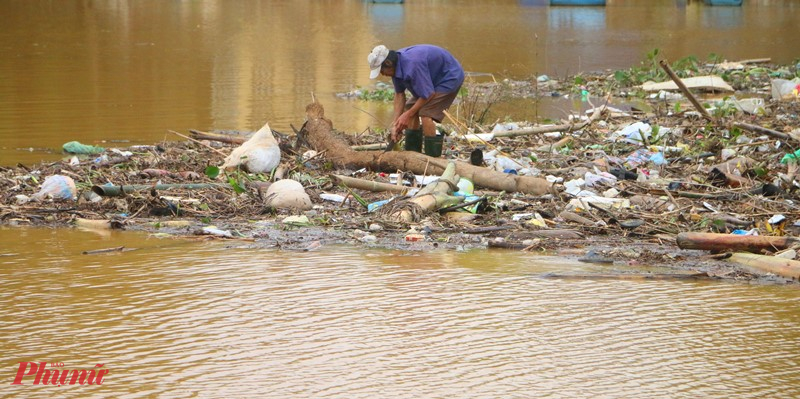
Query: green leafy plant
(650, 69)
(236, 181)
(212, 171)
(378, 94)
(724, 108)
(357, 197)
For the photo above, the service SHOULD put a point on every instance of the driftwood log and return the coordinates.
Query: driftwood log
(318, 133)
(731, 242)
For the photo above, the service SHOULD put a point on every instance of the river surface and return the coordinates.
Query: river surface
(178, 318)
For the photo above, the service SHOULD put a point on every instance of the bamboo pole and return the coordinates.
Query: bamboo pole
(369, 185)
(768, 264)
(118, 191)
(434, 196)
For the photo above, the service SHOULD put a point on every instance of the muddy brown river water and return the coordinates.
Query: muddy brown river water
(178, 319)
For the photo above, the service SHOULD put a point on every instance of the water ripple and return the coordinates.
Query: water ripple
(178, 322)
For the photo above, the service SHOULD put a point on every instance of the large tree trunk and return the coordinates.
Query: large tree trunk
(318, 133)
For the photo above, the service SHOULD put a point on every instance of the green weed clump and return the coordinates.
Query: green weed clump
(650, 69)
(384, 94)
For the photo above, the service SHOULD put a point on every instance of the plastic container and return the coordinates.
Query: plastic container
(465, 185)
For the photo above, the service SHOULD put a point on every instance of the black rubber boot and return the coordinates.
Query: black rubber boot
(433, 146)
(413, 140)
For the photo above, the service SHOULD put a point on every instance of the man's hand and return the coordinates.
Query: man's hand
(394, 135)
(401, 123)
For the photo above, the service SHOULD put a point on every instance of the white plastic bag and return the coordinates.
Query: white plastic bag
(783, 89)
(57, 187)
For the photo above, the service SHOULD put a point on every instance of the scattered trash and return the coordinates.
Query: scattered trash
(375, 205)
(753, 106)
(587, 203)
(793, 158)
(57, 187)
(504, 127)
(368, 238)
(419, 180)
(333, 197)
(297, 221)
(706, 83)
(786, 254)
(214, 231)
(74, 147)
(259, 154)
(639, 133)
(465, 187)
(287, 194)
(599, 179)
(783, 89)
(631, 223)
(375, 227)
(415, 237)
(777, 219)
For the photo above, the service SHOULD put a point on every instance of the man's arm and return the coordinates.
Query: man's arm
(406, 116)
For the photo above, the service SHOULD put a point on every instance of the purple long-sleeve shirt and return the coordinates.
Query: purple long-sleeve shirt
(424, 69)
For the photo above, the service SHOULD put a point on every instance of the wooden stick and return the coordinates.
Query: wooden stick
(762, 130)
(200, 142)
(368, 184)
(108, 250)
(490, 229)
(567, 127)
(224, 138)
(488, 144)
(686, 91)
(630, 276)
(458, 124)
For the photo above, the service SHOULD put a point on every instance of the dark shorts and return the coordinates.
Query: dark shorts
(436, 106)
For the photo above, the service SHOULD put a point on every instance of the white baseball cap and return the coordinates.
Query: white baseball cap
(375, 59)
